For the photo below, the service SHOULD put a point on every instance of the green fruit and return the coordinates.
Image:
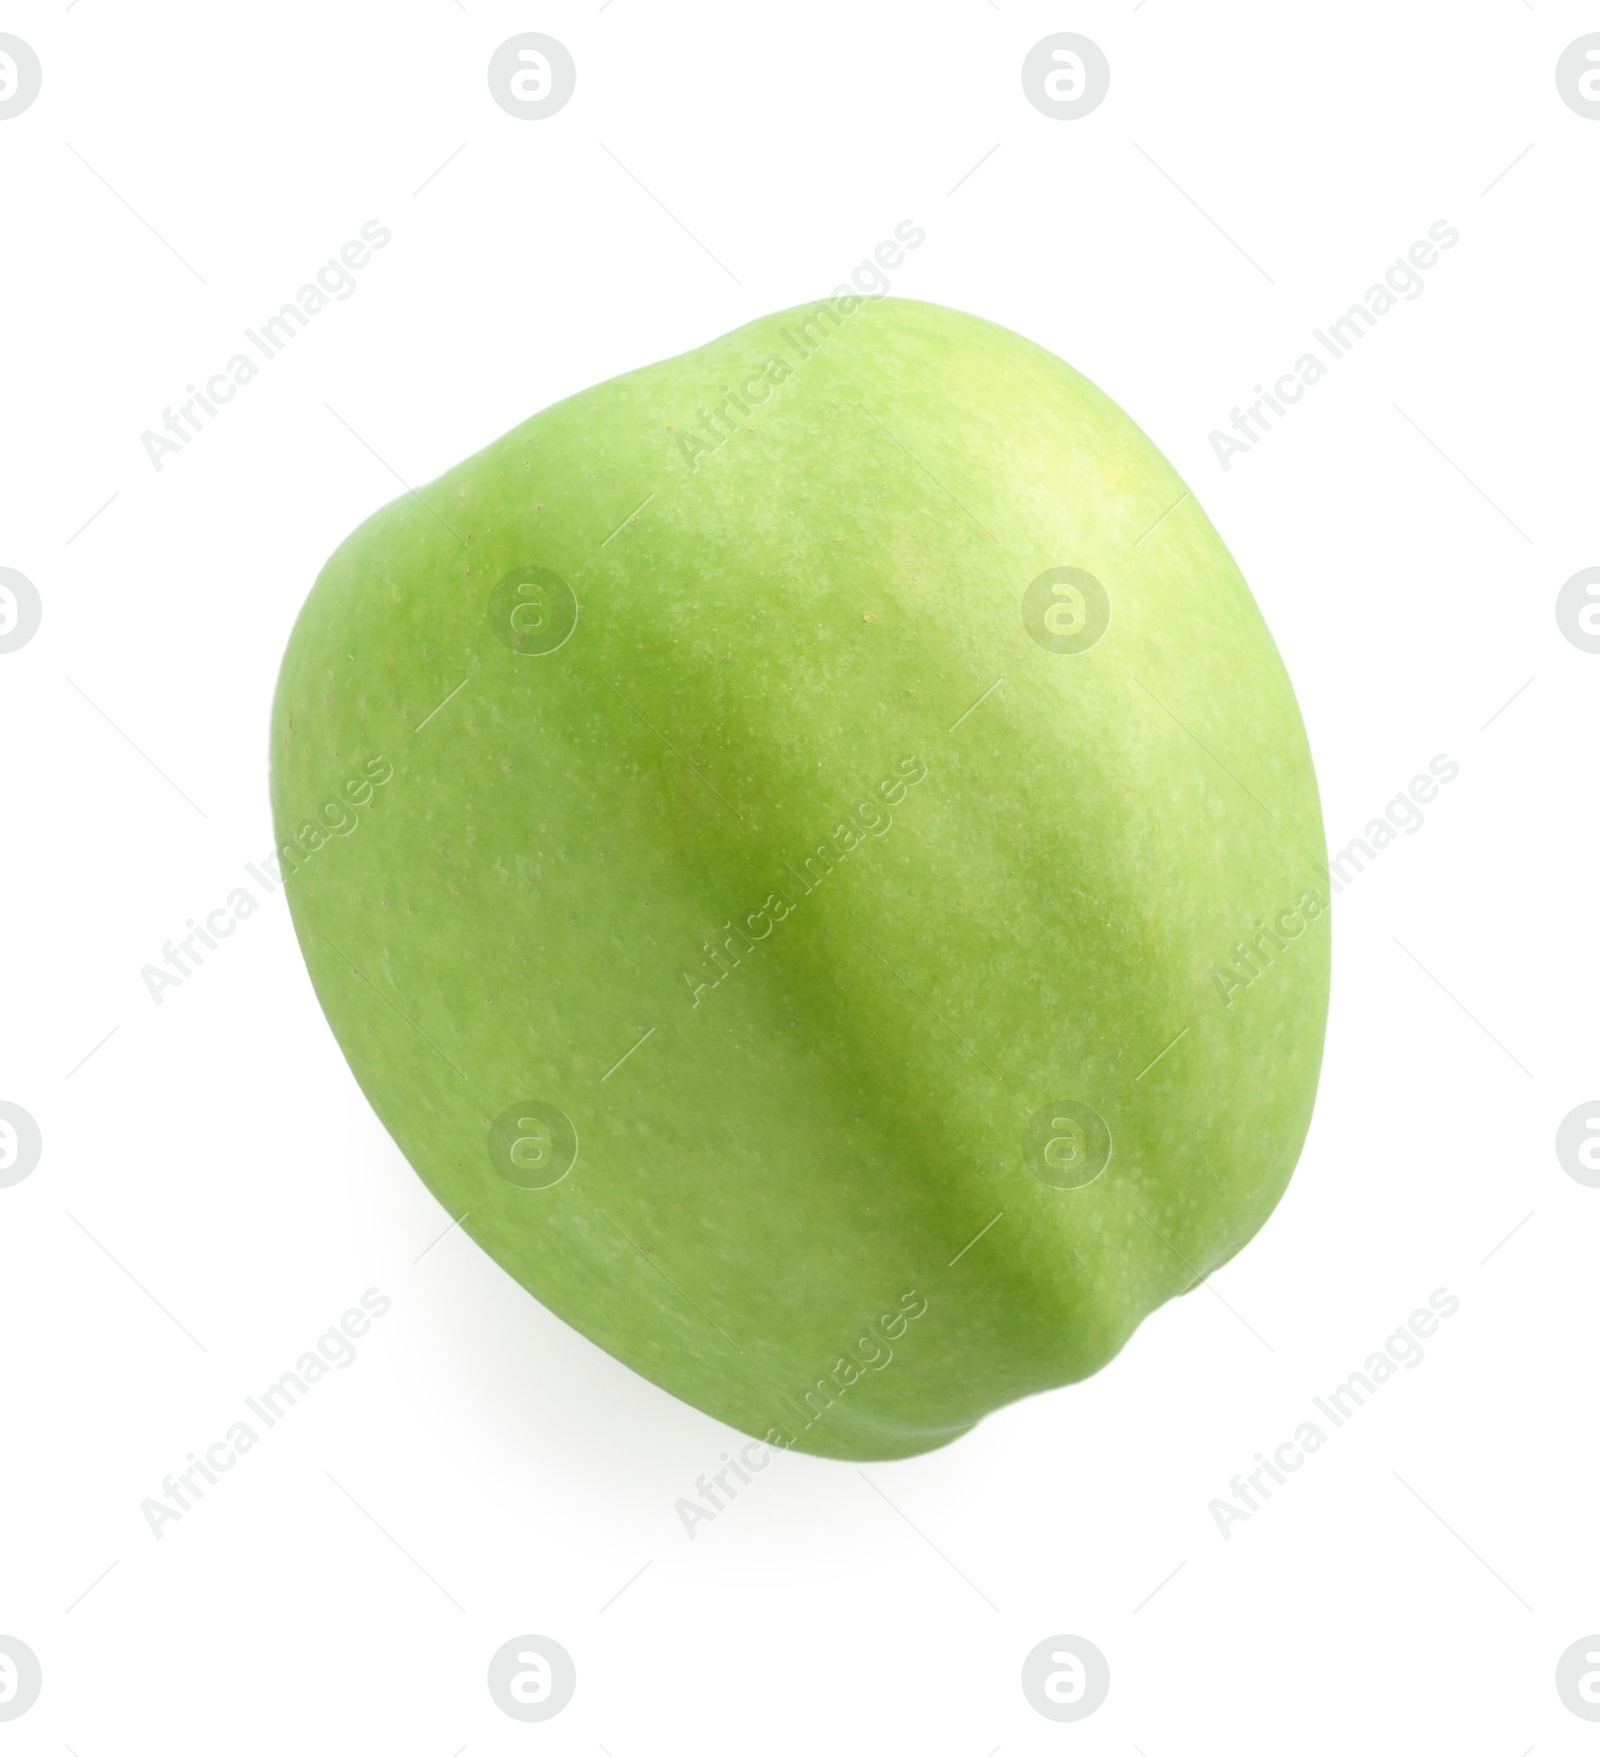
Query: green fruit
(810, 849)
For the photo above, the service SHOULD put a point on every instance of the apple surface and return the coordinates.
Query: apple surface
(811, 851)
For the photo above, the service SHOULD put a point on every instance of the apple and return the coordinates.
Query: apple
(810, 850)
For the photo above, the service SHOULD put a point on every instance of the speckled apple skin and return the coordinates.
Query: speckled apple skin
(781, 619)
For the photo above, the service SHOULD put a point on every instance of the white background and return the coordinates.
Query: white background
(481, 1471)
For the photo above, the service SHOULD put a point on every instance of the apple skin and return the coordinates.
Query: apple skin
(514, 815)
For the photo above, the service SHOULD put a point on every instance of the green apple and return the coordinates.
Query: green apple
(811, 852)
